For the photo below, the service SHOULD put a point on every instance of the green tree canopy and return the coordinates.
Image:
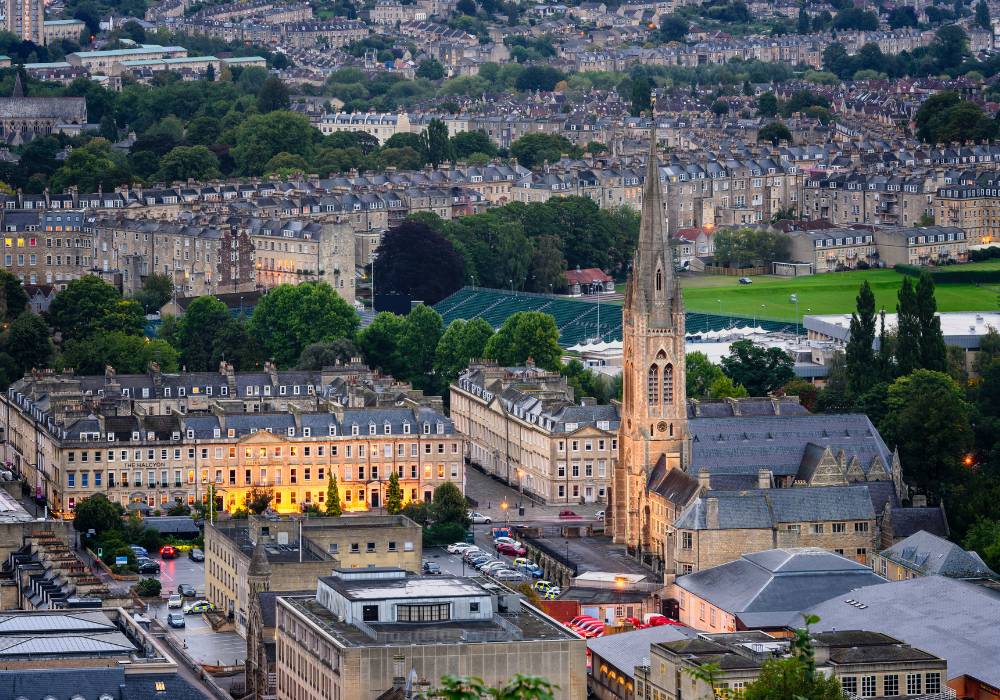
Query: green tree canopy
(13, 298)
(861, 367)
(449, 506)
(156, 291)
(316, 356)
(524, 335)
(202, 319)
(462, 342)
(417, 262)
(760, 370)
(89, 305)
(534, 149)
(189, 162)
(129, 354)
(333, 505)
(745, 247)
(928, 419)
(290, 317)
(97, 513)
(394, 495)
(262, 136)
(28, 344)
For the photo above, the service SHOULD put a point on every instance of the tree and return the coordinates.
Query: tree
(774, 133)
(928, 418)
(13, 298)
(421, 334)
(902, 16)
(449, 505)
(258, 499)
(129, 354)
(97, 513)
(394, 495)
(430, 69)
(720, 107)
(950, 47)
(983, 15)
(201, 321)
(805, 390)
(725, 388)
(746, 247)
(673, 27)
(519, 688)
(156, 291)
(437, 146)
(908, 354)
(984, 539)
(333, 507)
(945, 117)
(933, 354)
(234, 343)
(90, 167)
(795, 676)
(466, 7)
(273, 95)
(462, 342)
(642, 91)
(534, 149)
(548, 264)
(860, 352)
(262, 136)
(856, 18)
(89, 305)
(767, 106)
(148, 587)
(539, 77)
(760, 370)
(466, 143)
(524, 335)
(189, 162)
(380, 343)
(417, 262)
(700, 374)
(316, 356)
(290, 317)
(804, 21)
(28, 344)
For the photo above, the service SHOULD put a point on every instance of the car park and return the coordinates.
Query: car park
(480, 559)
(175, 601)
(148, 566)
(138, 551)
(198, 606)
(196, 554)
(471, 553)
(176, 620)
(432, 568)
(511, 551)
(507, 575)
(168, 552)
(186, 590)
(479, 518)
(459, 547)
(490, 567)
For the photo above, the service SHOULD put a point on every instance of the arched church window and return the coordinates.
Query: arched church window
(668, 384)
(652, 384)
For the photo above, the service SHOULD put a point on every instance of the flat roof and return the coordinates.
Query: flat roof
(11, 511)
(276, 553)
(404, 587)
(961, 328)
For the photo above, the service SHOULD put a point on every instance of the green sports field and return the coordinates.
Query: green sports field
(768, 297)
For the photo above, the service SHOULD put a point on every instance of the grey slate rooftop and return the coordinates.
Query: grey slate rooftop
(953, 619)
(626, 650)
(929, 554)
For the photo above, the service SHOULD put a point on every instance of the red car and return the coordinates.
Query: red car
(168, 552)
(511, 551)
(568, 514)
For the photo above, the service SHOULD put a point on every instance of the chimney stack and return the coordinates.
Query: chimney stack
(712, 513)
(704, 480)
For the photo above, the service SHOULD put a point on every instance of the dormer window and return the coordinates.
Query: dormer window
(307, 432)
(387, 428)
(291, 432)
(223, 390)
(190, 434)
(217, 432)
(427, 429)
(333, 430)
(371, 428)
(406, 428)
(135, 435)
(355, 430)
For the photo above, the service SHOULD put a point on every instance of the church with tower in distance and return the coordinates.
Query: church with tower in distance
(698, 483)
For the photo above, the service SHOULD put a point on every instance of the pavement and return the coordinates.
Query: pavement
(490, 493)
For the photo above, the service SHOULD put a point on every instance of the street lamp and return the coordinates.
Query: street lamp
(506, 515)
(520, 486)
(593, 284)
(794, 299)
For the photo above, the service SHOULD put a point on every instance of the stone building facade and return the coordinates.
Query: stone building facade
(23, 118)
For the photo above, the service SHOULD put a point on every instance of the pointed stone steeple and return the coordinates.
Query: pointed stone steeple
(652, 291)
(259, 565)
(18, 86)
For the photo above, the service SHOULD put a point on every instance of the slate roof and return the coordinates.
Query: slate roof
(775, 585)
(953, 619)
(908, 521)
(626, 650)
(930, 554)
(767, 508)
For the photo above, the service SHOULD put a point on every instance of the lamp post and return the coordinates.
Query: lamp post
(594, 284)
(506, 514)
(520, 486)
(794, 299)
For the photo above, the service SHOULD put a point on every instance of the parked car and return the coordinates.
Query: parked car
(530, 568)
(198, 606)
(511, 551)
(186, 590)
(568, 514)
(176, 620)
(543, 585)
(459, 547)
(139, 551)
(168, 551)
(506, 540)
(491, 566)
(196, 554)
(507, 575)
(175, 601)
(481, 559)
(432, 568)
(479, 518)
(746, 280)
(472, 552)
(599, 515)
(148, 566)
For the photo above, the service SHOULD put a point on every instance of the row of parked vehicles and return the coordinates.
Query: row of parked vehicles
(148, 565)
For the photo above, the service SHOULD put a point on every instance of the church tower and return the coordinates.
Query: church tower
(259, 578)
(654, 405)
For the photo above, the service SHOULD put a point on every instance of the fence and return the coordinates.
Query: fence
(735, 271)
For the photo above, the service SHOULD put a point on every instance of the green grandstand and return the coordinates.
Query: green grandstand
(576, 319)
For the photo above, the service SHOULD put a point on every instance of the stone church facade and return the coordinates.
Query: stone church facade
(25, 118)
(699, 483)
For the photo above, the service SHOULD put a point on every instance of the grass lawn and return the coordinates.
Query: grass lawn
(831, 293)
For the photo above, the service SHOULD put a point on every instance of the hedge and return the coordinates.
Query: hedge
(954, 275)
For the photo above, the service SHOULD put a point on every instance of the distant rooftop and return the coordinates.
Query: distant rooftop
(11, 511)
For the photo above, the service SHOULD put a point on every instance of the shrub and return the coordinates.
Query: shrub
(443, 533)
(148, 587)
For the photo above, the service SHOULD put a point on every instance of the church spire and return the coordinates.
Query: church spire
(652, 288)
(18, 86)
